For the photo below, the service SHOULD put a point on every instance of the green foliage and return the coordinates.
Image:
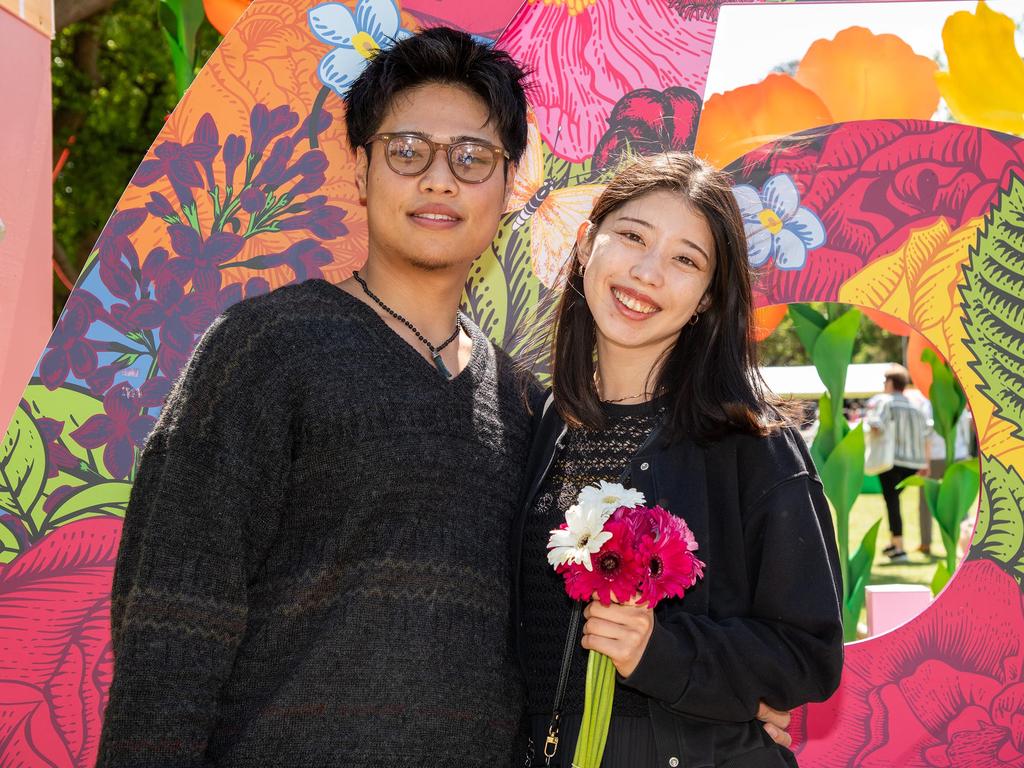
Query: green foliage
(179, 22)
(502, 287)
(941, 578)
(859, 578)
(22, 473)
(993, 304)
(874, 344)
(838, 451)
(949, 499)
(113, 87)
(999, 534)
(948, 401)
(597, 711)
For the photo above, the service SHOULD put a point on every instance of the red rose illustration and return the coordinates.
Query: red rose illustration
(55, 657)
(871, 182)
(945, 690)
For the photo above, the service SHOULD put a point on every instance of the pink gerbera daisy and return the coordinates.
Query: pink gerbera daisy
(616, 574)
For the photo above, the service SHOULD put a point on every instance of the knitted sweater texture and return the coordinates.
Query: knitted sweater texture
(314, 564)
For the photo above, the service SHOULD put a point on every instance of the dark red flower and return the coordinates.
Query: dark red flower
(647, 122)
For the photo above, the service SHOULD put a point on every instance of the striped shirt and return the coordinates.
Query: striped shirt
(909, 424)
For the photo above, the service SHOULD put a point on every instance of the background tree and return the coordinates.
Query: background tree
(874, 344)
(113, 87)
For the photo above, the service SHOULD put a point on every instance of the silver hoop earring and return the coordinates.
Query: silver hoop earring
(694, 318)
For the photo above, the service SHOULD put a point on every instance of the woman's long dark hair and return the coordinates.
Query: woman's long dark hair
(710, 374)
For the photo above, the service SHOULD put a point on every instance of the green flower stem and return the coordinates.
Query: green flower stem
(597, 711)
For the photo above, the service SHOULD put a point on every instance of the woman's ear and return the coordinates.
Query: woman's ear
(583, 242)
(704, 303)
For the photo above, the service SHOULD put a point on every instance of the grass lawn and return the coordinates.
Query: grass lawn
(921, 568)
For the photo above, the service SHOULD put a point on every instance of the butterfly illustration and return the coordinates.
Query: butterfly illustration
(554, 212)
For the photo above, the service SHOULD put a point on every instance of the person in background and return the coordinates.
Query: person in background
(893, 411)
(937, 462)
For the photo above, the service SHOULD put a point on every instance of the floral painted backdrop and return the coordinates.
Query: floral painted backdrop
(250, 187)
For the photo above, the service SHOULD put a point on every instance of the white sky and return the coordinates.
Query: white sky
(753, 39)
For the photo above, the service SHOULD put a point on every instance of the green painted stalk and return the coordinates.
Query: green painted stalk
(597, 711)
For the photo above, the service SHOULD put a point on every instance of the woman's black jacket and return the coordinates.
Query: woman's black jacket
(765, 621)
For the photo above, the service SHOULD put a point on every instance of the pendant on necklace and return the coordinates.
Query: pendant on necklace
(439, 364)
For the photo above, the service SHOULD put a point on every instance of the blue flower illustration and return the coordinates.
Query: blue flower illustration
(356, 37)
(777, 227)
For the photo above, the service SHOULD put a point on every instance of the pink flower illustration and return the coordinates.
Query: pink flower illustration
(55, 634)
(583, 64)
(944, 690)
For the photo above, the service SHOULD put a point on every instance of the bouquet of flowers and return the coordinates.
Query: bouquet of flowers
(612, 547)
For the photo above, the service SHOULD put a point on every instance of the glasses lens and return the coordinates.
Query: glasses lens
(472, 162)
(408, 154)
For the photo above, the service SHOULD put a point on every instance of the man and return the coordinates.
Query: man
(314, 568)
(893, 413)
(314, 565)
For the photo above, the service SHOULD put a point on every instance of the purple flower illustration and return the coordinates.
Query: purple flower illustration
(777, 227)
(178, 163)
(69, 350)
(119, 429)
(324, 221)
(206, 143)
(267, 124)
(234, 151)
(199, 261)
(115, 248)
(304, 257)
(58, 456)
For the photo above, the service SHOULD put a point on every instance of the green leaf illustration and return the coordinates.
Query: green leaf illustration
(10, 547)
(999, 534)
(993, 305)
(103, 498)
(73, 406)
(22, 469)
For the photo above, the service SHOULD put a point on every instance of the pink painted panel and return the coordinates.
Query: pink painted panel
(25, 206)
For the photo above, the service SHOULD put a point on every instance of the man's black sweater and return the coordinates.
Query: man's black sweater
(314, 565)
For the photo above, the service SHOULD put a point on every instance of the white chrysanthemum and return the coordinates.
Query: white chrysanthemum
(607, 497)
(582, 538)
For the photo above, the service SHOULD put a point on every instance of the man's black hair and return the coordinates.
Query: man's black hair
(440, 55)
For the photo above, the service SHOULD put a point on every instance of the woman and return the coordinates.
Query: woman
(654, 382)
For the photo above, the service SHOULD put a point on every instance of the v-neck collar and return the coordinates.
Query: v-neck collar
(376, 325)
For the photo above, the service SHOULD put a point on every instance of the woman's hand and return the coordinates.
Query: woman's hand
(620, 632)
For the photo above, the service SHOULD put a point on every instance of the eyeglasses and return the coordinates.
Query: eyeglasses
(409, 154)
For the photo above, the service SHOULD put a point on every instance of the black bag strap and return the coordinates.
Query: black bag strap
(572, 635)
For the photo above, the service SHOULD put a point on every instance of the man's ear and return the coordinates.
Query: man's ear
(510, 182)
(362, 173)
(583, 242)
